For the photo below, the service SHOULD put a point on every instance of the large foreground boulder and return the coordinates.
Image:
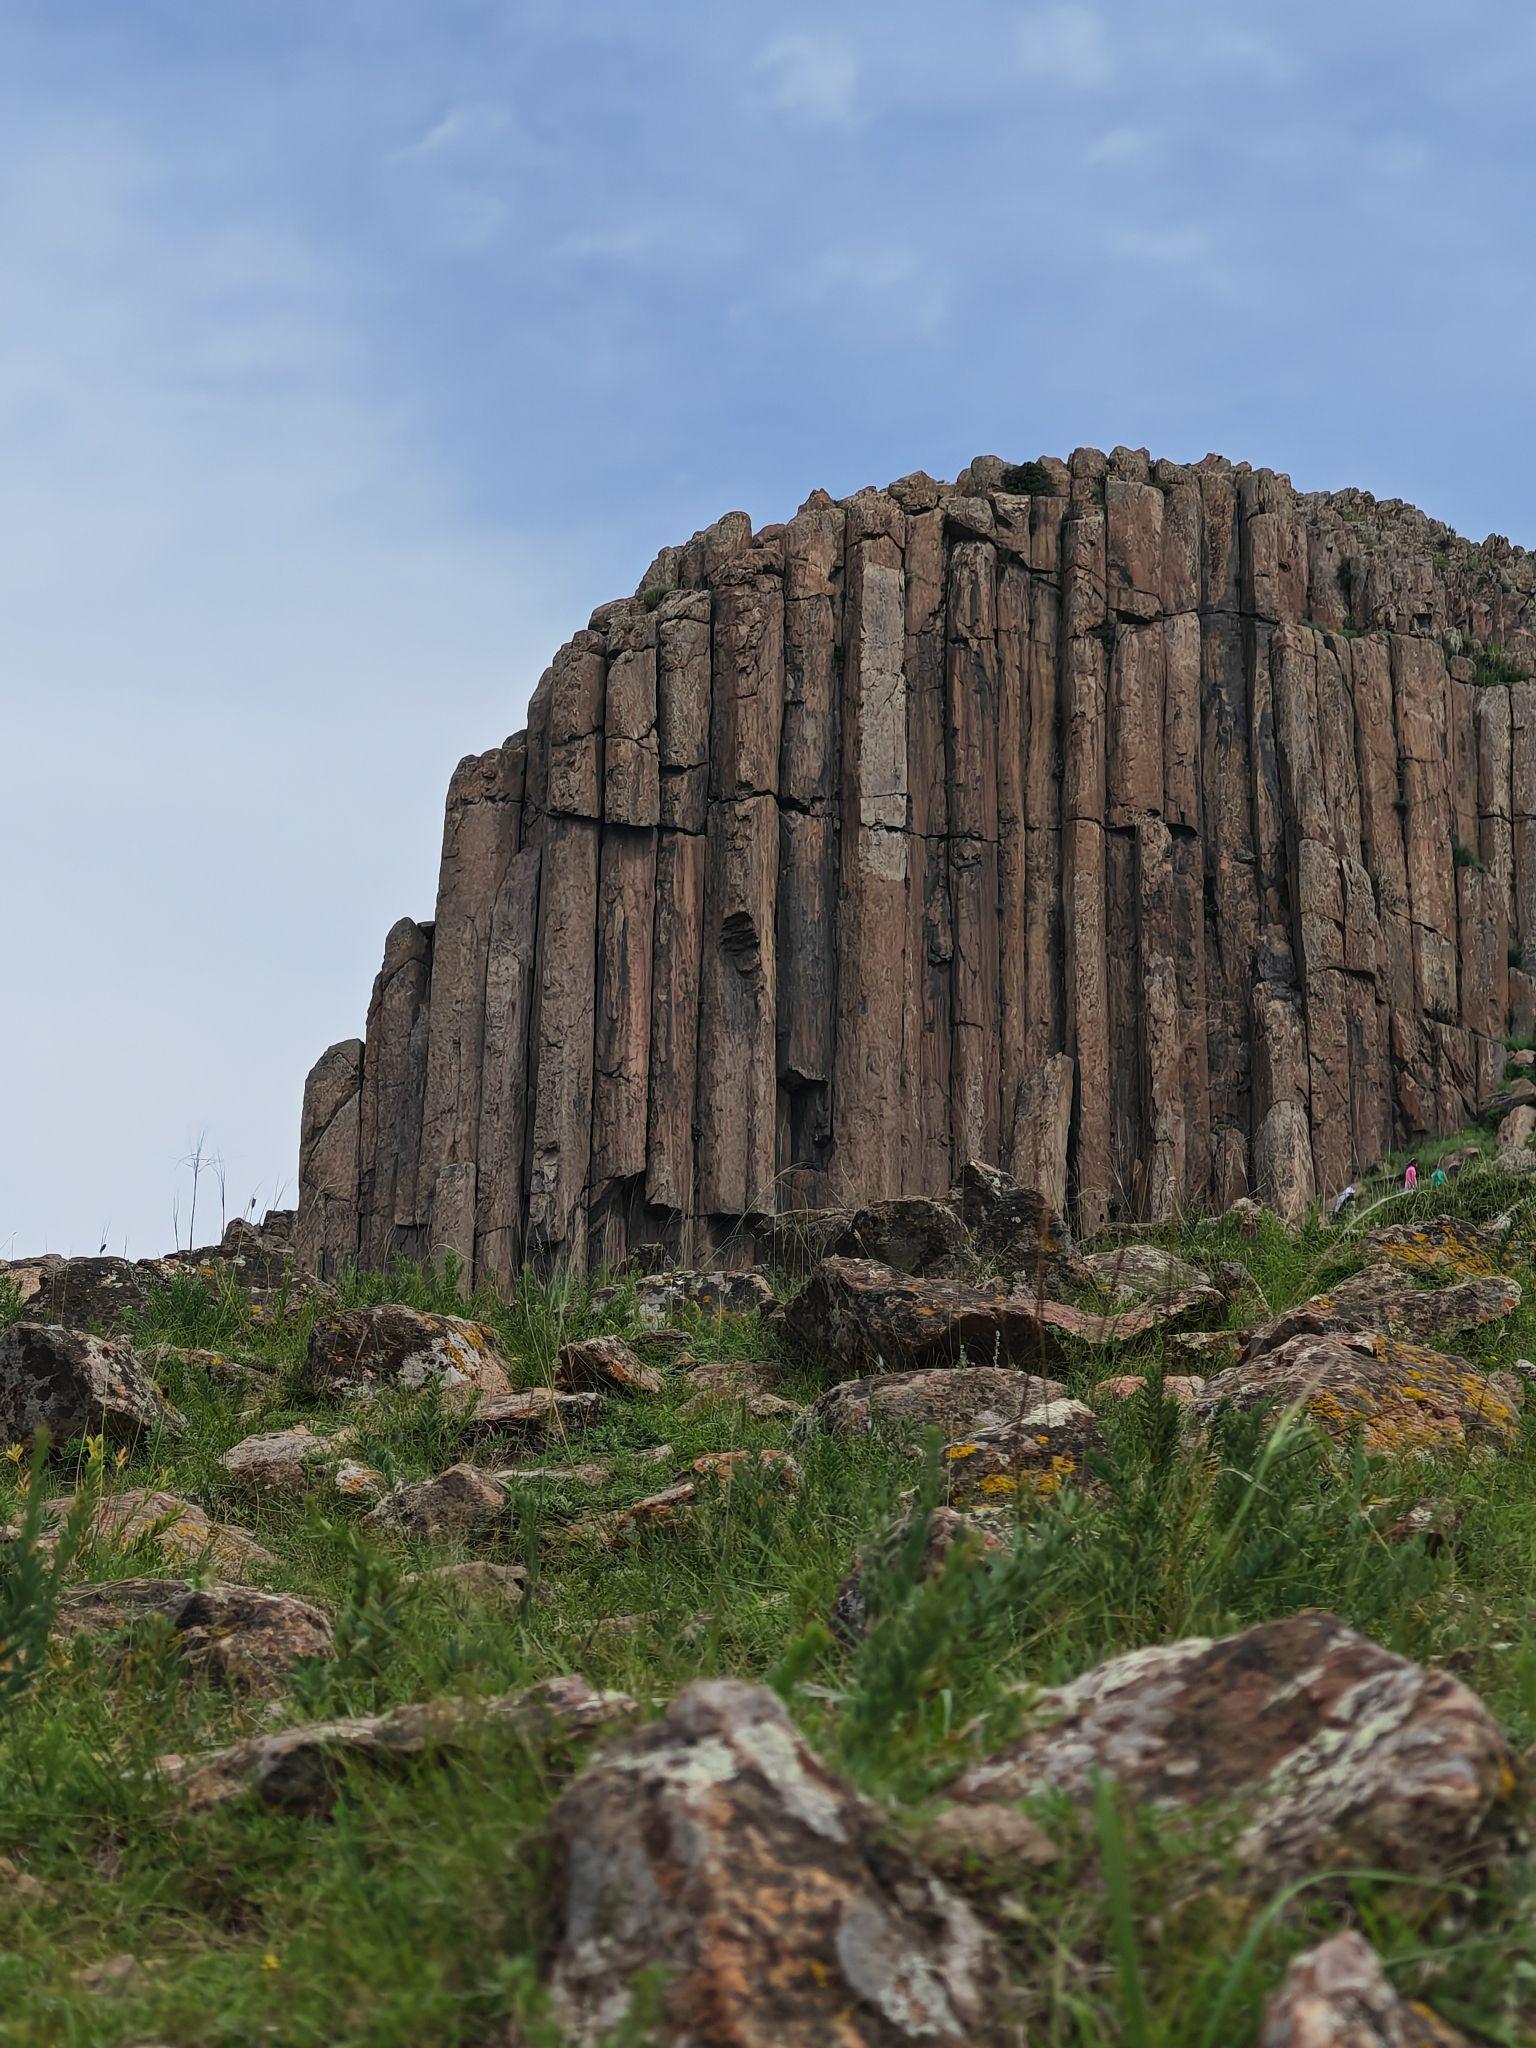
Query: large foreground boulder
(396, 1346)
(1337, 1995)
(910, 1234)
(1384, 1299)
(716, 1848)
(75, 1385)
(1013, 1227)
(1333, 1751)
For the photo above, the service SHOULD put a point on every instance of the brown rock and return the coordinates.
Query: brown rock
(716, 1845)
(82, 1294)
(1400, 1396)
(176, 1527)
(230, 1635)
(1011, 1225)
(531, 1414)
(865, 1316)
(74, 1385)
(1335, 1752)
(458, 1504)
(1131, 1272)
(660, 1296)
(946, 1529)
(1337, 1996)
(404, 1347)
(300, 1770)
(283, 1461)
(599, 1363)
(910, 1234)
(958, 1399)
(1037, 1457)
(475, 1583)
(1384, 1299)
(1122, 1386)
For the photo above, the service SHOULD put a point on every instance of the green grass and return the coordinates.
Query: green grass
(415, 1914)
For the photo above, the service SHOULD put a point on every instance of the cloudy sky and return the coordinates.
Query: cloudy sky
(351, 350)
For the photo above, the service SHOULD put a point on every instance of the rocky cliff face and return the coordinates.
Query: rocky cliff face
(1157, 831)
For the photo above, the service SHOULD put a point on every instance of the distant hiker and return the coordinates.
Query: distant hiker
(1343, 1200)
(1437, 1178)
(1411, 1176)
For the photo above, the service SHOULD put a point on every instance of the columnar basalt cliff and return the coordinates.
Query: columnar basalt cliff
(1157, 831)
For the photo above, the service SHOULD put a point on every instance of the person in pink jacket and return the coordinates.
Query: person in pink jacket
(1411, 1175)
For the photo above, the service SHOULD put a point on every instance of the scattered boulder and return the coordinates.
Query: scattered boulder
(1132, 1272)
(531, 1414)
(1125, 1325)
(1337, 1995)
(477, 1583)
(1441, 1247)
(946, 1528)
(596, 1364)
(1040, 1455)
(621, 1525)
(75, 1385)
(283, 1461)
(82, 1294)
(211, 1365)
(912, 1234)
(231, 1635)
(867, 1317)
(261, 1263)
(722, 1466)
(741, 1382)
(774, 1900)
(658, 1297)
(404, 1347)
(1013, 1226)
(1401, 1396)
(957, 1399)
(454, 1507)
(1335, 1751)
(1179, 1387)
(1518, 1128)
(299, 1770)
(355, 1481)
(1384, 1298)
(177, 1527)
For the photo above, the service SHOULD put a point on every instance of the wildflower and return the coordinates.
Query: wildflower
(269, 1961)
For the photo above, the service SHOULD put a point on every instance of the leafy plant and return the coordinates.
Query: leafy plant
(35, 1563)
(1028, 479)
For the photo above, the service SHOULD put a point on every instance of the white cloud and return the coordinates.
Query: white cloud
(1066, 45)
(1121, 146)
(811, 79)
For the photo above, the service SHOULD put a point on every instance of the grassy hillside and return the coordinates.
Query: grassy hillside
(415, 1913)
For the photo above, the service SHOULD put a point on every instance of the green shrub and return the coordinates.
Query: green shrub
(1028, 479)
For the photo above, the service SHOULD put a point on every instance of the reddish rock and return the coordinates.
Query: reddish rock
(596, 1364)
(1333, 1751)
(178, 1528)
(1337, 1995)
(777, 1907)
(866, 1316)
(959, 1400)
(231, 1635)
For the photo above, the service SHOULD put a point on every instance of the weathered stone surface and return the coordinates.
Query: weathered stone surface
(660, 1296)
(598, 1363)
(1384, 1299)
(1337, 1995)
(531, 1413)
(475, 1582)
(913, 1234)
(958, 1399)
(281, 1461)
(946, 1529)
(1335, 1752)
(74, 1385)
(716, 1845)
(1399, 1395)
(867, 1317)
(82, 1294)
(300, 1770)
(1154, 839)
(393, 1345)
(178, 1528)
(1035, 1457)
(1011, 1225)
(230, 1635)
(458, 1504)
(1130, 1272)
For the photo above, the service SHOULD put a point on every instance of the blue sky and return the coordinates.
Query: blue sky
(349, 353)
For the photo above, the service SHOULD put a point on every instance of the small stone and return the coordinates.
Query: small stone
(282, 1462)
(476, 1582)
(1337, 1995)
(957, 1399)
(1038, 1456)
(456, 1505)
(531, 1414)
(724, 1465)
(354, 1481)
(589, 1474)
(299, 1770)
(177, 1527)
